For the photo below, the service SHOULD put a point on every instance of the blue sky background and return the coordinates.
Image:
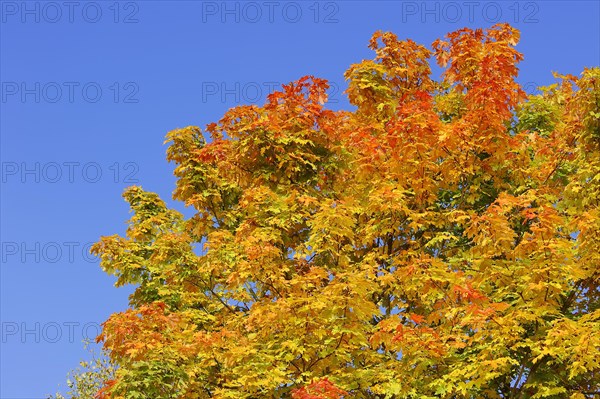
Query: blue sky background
(89, 91)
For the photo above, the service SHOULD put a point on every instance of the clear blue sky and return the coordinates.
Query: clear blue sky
(89, 90)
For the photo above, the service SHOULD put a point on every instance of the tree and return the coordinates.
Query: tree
(85, 381)
(442, 240)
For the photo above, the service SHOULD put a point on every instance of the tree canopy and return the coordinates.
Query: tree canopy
(441, 240)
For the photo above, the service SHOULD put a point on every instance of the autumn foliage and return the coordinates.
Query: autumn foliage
(442, 240)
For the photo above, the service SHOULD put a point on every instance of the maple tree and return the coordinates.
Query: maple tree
(442, 240)
(86, 380)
